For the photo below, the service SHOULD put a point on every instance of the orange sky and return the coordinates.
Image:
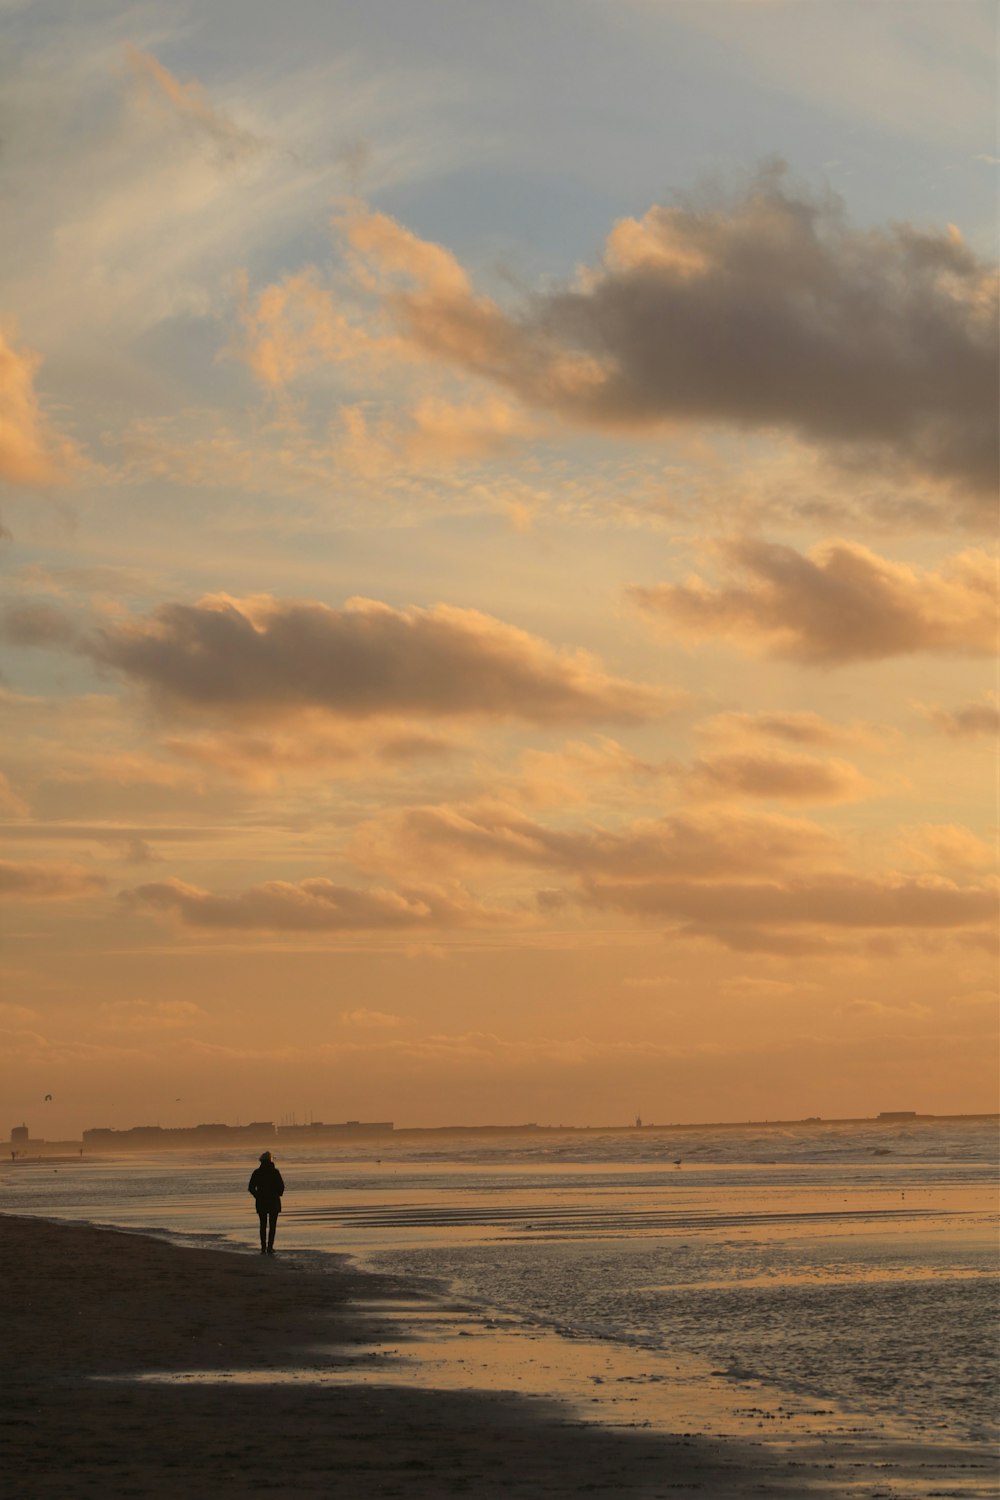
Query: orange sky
(500, 604)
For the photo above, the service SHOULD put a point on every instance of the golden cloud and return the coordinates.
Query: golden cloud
(947, 846)
(839, 603)
(698, 845)
(800, 727)
(436, 433)
(30, 453)
(793, 778)
(294, 325)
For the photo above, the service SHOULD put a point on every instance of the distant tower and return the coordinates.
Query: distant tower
(19, 1135)
(638, 1122)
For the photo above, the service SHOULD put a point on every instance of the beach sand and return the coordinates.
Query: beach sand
(136, 1367)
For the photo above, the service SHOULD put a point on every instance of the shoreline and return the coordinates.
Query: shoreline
(102, 1142)
(136, 1365)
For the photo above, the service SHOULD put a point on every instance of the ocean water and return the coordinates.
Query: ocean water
(853, 1264)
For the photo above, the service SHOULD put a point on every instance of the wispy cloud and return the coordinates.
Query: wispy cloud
(797, 727)
(31, 452)
(188, 102)
(316, 905)
(835, 901)
(149, 1015)
(48, 882)
(790, 778)
(263, 758)
(368, 1020)
(947, 847)
(969, 720)
(705, 845)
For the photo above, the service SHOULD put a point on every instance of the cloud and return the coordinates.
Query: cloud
(134, 845)
(47, 882)
(36, 623)
(840, 603)
(104, 579)
(571, 773)
(786, 777)
(149, 1015)
(800, 727)
(696, 845)
(12, 805)
(30, 452)
(767, 311)
(293, 326)
(370, 1020)
(16, 1015)
(262, 759)
(755, 989)
(297, 325)
(315, 905)
(145, 195)
(823, 901)
(188, 104)
(968, 721)
(947, 846)
(266, 657)
(437, 432)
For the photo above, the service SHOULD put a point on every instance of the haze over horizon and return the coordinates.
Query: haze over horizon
(499, 514)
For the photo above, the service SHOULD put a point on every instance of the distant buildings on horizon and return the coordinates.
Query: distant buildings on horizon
(262, 1132)
(103, 1139)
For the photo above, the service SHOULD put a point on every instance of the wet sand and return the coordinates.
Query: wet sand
(134, 1367)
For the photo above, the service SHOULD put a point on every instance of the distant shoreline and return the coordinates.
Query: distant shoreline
(210, 1138)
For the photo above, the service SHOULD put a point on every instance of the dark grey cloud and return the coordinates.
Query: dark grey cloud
(765, 311)
(266, 658)
(840, 603)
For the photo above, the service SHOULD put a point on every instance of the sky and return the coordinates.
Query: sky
(499, 546)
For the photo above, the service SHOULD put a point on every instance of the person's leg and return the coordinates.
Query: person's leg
(262, 1216)
(272, 1226)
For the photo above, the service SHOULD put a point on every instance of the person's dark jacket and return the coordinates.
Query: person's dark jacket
(267, 1186)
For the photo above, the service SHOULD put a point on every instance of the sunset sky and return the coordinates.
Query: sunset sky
(499, 545)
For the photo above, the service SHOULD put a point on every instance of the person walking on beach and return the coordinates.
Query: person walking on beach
(266, 1187)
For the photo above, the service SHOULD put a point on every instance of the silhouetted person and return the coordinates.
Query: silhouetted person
(266, 1187)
